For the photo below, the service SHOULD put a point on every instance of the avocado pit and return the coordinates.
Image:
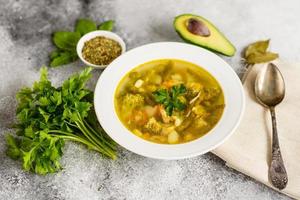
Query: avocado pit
(197, 27)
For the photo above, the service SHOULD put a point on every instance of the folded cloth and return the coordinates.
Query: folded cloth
(248, 150)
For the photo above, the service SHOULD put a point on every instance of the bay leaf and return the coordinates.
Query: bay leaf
(261, 57)
(257, 47)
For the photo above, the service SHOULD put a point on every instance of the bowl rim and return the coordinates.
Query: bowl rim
(93, 34)
(112, 75)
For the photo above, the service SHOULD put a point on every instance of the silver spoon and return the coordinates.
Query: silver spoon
(270, 91)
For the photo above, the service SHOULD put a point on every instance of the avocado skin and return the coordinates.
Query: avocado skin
(186, 39)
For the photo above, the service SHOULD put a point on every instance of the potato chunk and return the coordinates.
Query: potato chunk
(200, 123)
(139, 83)
(173, 137)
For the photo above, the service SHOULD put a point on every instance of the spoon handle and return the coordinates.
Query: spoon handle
(277, 172)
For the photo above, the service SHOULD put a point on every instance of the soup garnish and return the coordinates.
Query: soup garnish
(169, 101)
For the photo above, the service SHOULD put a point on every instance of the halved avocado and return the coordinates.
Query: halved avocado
(199, 31)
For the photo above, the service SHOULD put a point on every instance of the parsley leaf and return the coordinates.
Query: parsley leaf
(13, 150)
(170, 98)
(161, 96)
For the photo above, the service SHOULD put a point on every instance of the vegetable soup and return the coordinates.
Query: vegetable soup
(169, 101)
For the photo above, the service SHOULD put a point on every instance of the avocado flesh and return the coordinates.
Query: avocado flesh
(216, 41)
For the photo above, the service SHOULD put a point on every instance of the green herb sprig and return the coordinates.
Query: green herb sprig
(170, 99)
(66, 41)
(48, 115)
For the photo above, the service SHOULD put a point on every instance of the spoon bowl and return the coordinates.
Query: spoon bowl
(269, 86)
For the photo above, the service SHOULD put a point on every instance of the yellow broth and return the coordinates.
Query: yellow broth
(147, 94)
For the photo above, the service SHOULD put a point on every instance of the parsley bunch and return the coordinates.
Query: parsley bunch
(48, 115)
(66, 41)
(170, 98)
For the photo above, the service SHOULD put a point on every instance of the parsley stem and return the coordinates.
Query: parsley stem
(95, 137)
(82, 129)
(100, 136)
(78, 139)
(63, 132)
(94, 140)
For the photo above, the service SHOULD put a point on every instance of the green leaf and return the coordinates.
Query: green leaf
(177, 90)
(56, 98)
(84, 26)
(107, 25)
(23, 115)
(179, 105)
(67, 113)
(66, 40)
(29, 132)
(51, 108)
(83, 93)
(44, 83)
(169, 109)
(161, 95)
(13, 150)
(257, 53)
(262, 58)
(44, 101)
(64, 58)
(45, 115)
(76, 82)
(44, 74)
(24, 93)
(54, 54)
(26, 144)
(43, 154)
(257, 47)
(83, 108)
(27, 159)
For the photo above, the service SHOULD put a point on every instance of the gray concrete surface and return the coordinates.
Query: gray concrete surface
(25, 28)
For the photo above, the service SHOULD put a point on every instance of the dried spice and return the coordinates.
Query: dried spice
(101, 50)
(257, 53)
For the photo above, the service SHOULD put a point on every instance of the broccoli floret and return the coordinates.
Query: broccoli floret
(131, 101)
(193, 89)
(199, 111)
(210, 93)
(153, 126)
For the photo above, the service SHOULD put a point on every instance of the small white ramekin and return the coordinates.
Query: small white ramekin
(92, 35)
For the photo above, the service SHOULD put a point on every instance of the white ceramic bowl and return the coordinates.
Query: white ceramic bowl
(229, 81)
(92, 35)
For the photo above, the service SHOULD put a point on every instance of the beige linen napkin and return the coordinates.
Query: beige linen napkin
(248, 150)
